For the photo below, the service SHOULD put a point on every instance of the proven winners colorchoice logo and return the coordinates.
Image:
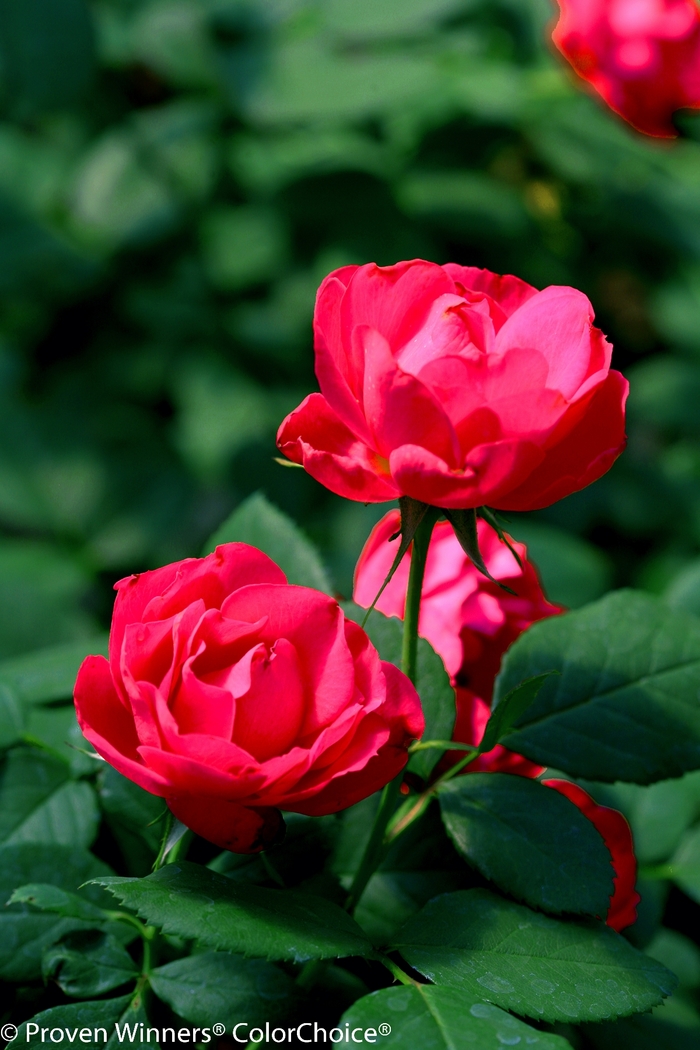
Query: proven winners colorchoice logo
(306, 1032)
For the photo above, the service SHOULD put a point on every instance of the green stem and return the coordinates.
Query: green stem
(376, 845)
(396, 971)
(374, 850)
(158, 862)
(415, 807)
(419, 555)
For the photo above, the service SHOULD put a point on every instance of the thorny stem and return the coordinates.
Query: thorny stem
(414, 808)
(158, 862)
(396, 971)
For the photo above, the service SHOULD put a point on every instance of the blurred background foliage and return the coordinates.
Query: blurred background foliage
(177, 176)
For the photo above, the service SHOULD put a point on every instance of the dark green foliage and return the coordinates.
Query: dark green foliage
(529, 963)
(530, 840)
(190, 901)
(228, 988)
(88, 963)
(444, 1019)
(624, 705)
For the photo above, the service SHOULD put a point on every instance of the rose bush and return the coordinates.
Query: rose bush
(643, 58)
(470, 622)
(457, 387)
(233, 694)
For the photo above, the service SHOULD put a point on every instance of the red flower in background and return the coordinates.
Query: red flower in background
(642, 56)
(617, 836)
(470, 622)
(457, 387)
(233, 695)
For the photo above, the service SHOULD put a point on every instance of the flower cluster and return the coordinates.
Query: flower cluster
(471, 622)
(235, 696)
(641, 56)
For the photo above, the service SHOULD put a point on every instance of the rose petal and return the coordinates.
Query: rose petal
(316, 437)
(227, 824)
(584, 455)
(108, 725)
(617, 836)
(399, 408)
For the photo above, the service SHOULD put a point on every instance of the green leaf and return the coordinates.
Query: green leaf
(508, 710)
(135, 817)
(443, 1019)
(46, 897)
(658, 814)
(530, 963)
(193, 902)
(88, 963)
(531, 841)
(257, 522)
(432, 681)
(391, 897)
(38, 802)
(24, 933)
(49, 674)
(228, 988)
(624, 705)
(102, 1014)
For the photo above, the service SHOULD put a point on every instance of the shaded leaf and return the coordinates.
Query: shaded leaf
(24, 932)
(135, 817)
(193, 902)
(49, 674)
(257, 522)
(444, 1019)
(530, 963)
(508, 710)
(226, 987)
(39, 803)
(87, 963)
(45, 897)
(625, 703)
(432, 681)
(531, 841)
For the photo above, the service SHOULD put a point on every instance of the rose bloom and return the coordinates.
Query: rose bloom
(642, 56)
(232, 694)
(470, 622)
(456, 387)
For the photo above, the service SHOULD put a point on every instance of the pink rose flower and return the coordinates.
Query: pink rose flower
(471, 622)
(456, 387)
(641, 56)
(232, 694)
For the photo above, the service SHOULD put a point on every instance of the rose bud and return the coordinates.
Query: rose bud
(234, 695)
(457, 388)
(642, 58)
